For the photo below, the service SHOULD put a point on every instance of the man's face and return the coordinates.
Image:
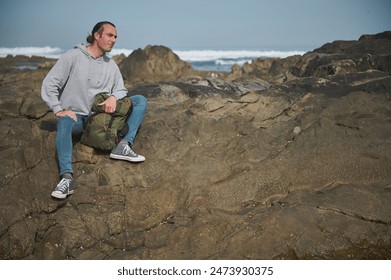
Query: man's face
(108, 38)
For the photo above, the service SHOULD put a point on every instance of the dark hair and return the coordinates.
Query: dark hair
(97, 28)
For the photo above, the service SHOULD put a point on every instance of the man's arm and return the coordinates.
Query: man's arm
(55, 81)
(118, 90)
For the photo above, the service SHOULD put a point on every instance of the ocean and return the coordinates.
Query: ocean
(200, 59)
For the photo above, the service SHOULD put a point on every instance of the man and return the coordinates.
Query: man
(69, 90)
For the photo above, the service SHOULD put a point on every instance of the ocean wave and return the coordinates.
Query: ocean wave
(125, 52)
(188, 55)
(200, 59)
(207, 55)
(48, 52)
(232, 61)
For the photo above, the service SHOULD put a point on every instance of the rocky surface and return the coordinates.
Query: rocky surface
(281, 158)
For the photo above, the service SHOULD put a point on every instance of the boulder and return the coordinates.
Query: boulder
(153, 64)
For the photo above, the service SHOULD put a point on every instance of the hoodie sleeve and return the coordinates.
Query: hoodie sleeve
(118, 90)
(55, 80)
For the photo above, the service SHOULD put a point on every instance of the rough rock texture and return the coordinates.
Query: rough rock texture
(337, 58)
(236, 169)
(153, 64)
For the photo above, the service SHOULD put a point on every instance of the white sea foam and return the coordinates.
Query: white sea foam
(232, 61)
(188, 55)
(30, 51)
(200, 59)
(125, 52)
(207, 55)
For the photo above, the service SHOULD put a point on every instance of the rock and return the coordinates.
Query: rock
(296, 130)
(370, 52)
(295, 164)
(153, 64)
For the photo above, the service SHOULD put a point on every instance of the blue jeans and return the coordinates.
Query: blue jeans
(67, 128)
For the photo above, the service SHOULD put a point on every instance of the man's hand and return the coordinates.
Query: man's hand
(109, 104)
(68, 113)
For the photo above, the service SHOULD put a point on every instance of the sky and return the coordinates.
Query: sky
(196, 24)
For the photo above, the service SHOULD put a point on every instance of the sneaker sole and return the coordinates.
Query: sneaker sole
(61, 196)
(114, 156)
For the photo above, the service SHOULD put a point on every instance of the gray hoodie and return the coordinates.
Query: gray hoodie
(77, 77)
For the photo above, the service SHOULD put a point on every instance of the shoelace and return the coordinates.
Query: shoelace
(127, 150)
(63, 185)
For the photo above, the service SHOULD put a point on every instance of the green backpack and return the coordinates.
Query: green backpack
(103, 131)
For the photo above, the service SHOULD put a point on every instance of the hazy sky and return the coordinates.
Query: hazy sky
(213, 24)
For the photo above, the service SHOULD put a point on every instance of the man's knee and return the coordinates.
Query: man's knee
(65, 122)
(139, 100)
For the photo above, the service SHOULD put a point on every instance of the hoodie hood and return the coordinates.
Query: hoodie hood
(83, 49)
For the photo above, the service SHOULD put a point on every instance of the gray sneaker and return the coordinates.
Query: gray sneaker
(63, 189)
(124, 151)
